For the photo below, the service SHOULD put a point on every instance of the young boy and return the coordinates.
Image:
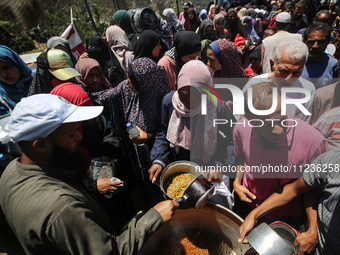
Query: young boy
(255, 68)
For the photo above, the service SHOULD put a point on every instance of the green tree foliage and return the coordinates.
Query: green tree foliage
(53, 19)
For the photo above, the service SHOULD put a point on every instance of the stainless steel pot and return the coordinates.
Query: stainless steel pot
(143, 19)
(199, 190)
(212, 218)
(266, 241)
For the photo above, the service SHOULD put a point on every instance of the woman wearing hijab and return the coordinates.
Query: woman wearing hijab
(206, 30)
(248, 24)
(213, 11)
(91, 77)
(242, 12)
(57, 42)
(120, 46)
(54, 68)
(253, 14)
(192, 22)
(122, 19)
(164, 30)
(137, 100)
(219, 27)
(98, 49)
(148, 45)
(234, 25)
(203, 15)
(15, 79)
(225, 62)
(187, 46)
(262, 23)
(183, 125)
(172, 20)
(228, 59)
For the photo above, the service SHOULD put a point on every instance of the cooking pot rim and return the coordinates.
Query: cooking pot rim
(184, 162)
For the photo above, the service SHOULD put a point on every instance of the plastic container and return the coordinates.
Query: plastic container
(132, 129)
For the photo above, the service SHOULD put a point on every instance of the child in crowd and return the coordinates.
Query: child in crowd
(255, 68)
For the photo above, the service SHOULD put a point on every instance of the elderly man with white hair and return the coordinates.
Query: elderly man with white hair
(287, 66)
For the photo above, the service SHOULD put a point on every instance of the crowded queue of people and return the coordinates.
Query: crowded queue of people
(70, 111)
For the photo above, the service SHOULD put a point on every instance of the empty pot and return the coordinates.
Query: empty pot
(265, 241)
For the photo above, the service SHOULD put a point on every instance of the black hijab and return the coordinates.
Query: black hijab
(235, 27)
(101, 52)
(211, 36)
(99, 49)
(147, 41)
(185, 43)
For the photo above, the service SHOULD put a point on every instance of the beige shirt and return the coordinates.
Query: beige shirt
(325, 99)
(270, 43)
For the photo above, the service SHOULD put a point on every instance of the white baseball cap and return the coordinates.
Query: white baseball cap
(39, 115)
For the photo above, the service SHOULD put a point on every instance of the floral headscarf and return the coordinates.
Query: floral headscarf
(141, 109)
(229, 57)
(174, 22)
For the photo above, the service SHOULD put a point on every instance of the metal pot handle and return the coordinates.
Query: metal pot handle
(157, 183)
(182, 200)
(245, 250)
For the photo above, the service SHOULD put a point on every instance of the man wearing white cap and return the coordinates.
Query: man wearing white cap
(41, 193)
(269, 44)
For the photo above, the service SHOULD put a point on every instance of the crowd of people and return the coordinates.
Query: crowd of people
(281, 56)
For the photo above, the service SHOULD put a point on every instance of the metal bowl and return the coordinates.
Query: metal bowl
(266, 241)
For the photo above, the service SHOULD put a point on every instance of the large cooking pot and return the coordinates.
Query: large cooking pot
(199, 190)
(143, 19)
(8, 148)
(212, 218)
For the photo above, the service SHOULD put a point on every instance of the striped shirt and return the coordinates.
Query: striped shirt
(329, 125)
(324, 173)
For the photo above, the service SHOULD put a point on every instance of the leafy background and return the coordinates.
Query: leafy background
(47, 18)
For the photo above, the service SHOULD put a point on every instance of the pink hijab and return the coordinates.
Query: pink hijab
(84, 66)
(120, 45)
(194, 73)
